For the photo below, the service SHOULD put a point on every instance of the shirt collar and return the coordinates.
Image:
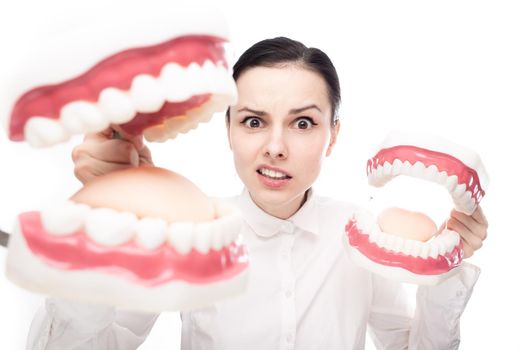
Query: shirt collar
(266, 225)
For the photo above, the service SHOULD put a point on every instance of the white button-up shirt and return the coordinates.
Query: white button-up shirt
(303, 293)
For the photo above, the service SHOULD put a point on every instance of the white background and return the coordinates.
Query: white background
(453, 68)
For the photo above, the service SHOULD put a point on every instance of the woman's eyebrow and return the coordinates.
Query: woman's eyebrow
(302, 109)
(258, 113)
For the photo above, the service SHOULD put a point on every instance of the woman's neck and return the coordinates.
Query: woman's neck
(285, 210)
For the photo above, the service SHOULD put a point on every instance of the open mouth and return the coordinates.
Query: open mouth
(160, 88)
(273, 174)
(455, 168)
(160, 77)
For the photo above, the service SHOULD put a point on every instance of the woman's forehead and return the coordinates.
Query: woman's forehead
(277, 88)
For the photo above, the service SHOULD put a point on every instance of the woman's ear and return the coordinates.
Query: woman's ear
(334, 131)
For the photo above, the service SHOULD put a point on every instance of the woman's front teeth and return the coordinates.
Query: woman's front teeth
(273, 174)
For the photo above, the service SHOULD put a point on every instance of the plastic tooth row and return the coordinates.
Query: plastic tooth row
(438, 245)
(147, 94)
(463, 199)
(109, 227)
(182, 124)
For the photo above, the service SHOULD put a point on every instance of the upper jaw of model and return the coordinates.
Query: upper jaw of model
(421, 253)
(161, 78)
(430, 158)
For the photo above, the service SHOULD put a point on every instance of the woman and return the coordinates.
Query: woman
(303, 292)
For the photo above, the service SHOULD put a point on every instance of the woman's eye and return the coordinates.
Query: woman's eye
(252, 122)
(304, 123)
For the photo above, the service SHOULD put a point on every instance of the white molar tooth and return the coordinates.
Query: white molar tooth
(209, 72)
(202, 237)
(465, 198)
(425, 247)
(451, 183)
(151, 232)
(379, 174)
(455, 237)
(44, 132)
(398, 244)
(109, 227)
(442, 178)
(174, 82)
(390, 241)
(396, 167)
(116, 105)
(451, 241)
(82, 117)
(442, 244)
(217, 234)
(431, 173)
(458, 191)
(381, 240)
(232, 227)
(372, 236)
(231, 94)
(418, 170)
(387, 168)
(180, 236)
(146, 94)
(415, 251)
(198, 80)
(406, 168)
(64, 219)
(433, 249)
(407, 246)
(469, 207)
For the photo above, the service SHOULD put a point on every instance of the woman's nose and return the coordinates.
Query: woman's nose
(276, 146)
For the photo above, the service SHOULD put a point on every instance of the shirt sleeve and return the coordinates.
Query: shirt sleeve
(62, 324)
(434, 324)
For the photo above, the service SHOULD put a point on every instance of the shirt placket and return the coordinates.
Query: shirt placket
(288, 288)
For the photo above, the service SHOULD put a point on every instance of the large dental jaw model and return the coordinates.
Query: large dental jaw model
(137, 249)
(145, 238)
(160, 78)
(407, 246)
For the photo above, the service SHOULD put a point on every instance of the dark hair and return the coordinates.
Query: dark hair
(281, 51)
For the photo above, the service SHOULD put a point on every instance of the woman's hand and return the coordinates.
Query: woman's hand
(471, 228)
(100, 154)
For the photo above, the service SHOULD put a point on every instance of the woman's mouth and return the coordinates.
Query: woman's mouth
(273, 178)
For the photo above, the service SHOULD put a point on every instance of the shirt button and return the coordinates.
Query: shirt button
(288, 294)
(284, 256)
(287, 227)
(289, 338)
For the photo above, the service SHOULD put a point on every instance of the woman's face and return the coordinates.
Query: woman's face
(279, 132)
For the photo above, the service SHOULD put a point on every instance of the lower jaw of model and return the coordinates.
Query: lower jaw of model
(172, 254)
(407, 246)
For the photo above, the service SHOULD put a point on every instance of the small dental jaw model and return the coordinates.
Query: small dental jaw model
(144, 238)
(404, 245)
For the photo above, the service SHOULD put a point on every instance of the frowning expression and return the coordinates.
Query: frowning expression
(279, 133)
